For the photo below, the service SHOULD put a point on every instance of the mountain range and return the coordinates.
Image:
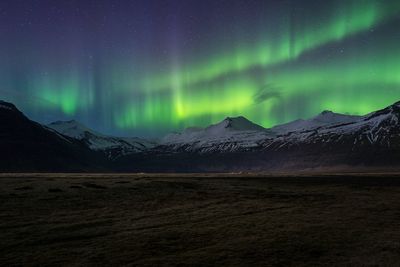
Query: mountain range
(326, 142)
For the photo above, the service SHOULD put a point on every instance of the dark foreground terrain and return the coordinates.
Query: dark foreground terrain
(92, 220)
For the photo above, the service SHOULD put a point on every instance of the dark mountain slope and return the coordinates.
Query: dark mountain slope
(28, 146)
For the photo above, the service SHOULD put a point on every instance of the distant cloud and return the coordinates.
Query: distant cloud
(266, 93)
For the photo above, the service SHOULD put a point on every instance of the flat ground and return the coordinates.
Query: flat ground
(134, 220)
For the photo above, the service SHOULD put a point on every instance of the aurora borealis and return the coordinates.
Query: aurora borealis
(148, 67)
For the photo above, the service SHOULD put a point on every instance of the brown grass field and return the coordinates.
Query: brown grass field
(199, 220)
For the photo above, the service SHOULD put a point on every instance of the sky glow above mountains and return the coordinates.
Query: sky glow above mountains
(150, 67)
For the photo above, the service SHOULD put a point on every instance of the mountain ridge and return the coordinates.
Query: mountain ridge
(235, 144)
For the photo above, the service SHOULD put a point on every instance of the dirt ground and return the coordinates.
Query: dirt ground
(202, 220)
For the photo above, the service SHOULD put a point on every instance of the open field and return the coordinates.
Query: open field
(202, 220)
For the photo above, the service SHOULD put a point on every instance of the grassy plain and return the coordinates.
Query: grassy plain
(199, 220)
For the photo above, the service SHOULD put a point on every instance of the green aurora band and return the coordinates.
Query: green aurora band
(226, 85)
(284, 75)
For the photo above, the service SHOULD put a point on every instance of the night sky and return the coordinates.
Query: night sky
(146, 67)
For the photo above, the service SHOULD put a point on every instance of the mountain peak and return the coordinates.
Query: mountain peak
(71, 128)
(69, 122)
(7, 105)
(325, 118)
(230, 128)
(396, 107)
(239, 123)
(326, 112)
(392, 110)
(235, 118)
(332, 117)
(397, 104)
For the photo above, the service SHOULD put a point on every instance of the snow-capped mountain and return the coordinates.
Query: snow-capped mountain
(380, 128)
(240, 134)
(328, 141)
(113, 147)
(328, 129)
(231, 134)
(324, 119)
